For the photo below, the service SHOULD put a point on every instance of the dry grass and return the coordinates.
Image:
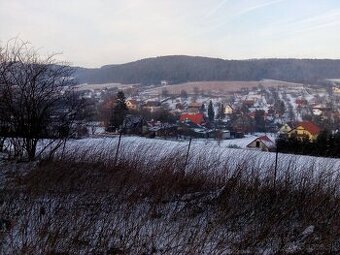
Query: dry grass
(79, 205)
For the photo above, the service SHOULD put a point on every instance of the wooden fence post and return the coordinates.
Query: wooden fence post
(187, 155)
(275, 169)
(117, 150)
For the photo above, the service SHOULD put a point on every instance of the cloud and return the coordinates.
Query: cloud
(319, 21)
(305, 25)
(256, 7)
(239, 9)
(94, 33)
(216, 8)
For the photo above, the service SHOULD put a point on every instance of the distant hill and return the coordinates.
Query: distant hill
(178, 69)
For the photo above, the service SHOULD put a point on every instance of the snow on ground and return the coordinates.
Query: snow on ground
(218, 157)
(128, 220)
(292, 101)
(236, 143)
(101, 86)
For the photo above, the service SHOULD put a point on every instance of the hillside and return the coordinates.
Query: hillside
(178, 69)
(155, 200)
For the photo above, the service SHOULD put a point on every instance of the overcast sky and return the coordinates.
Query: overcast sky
(93, 33)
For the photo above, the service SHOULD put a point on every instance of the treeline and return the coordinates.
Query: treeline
(178, 69)
(327, 144)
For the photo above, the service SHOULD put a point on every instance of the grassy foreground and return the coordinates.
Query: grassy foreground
(77, 206)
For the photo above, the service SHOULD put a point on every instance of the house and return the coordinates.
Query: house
(317, 111)
(228, 109)
(187, 128)
(152, 106)
(162, 129)
(194, 107)
(305, 129)
(132, 104)
(285, 129)
(301, 102)
(320, 109)
(336, 90)
(248, 102)
(262, 143)
(179, 106)
(197, 118)
(226, 134)
(222, 134)
(133, 124)
(164, 83)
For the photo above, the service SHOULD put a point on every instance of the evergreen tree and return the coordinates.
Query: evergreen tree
(211, 113)
(119, 112)
(279, 107)
(336, 142)
(324, 143)
(202, 109)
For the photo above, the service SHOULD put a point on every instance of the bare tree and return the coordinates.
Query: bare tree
(36, 99)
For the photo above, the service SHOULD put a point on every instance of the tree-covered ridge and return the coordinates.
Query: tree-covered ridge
(178, 69)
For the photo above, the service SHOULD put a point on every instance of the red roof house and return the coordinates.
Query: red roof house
(197, 118)
(306, 128)
(262, 143)
(310, 127)
(301, 101)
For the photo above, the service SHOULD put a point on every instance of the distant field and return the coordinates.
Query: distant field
(223, 86)
(334, 80)
(86, 86)
(192, 87)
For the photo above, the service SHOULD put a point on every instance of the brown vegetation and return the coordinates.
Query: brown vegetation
(81, 205)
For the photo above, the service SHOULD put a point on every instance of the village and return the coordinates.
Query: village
(150, 127)
(241, 114)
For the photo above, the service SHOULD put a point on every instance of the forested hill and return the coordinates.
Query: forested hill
(177, 69)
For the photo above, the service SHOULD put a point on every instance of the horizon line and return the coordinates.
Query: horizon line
(201, 56)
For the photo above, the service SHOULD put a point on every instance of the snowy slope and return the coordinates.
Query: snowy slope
(221, 158)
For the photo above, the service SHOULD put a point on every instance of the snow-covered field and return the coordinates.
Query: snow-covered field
(218, 158)
(79, 216)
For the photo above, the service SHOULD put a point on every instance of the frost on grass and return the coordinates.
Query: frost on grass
(222, 202)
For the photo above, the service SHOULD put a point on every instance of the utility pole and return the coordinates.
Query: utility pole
(187, 155)
(275, 169)
(118, 145)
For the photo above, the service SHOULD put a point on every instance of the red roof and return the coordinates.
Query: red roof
(310, 127)
(265, 140)
(248, 102)
(301, 101)
(197, 118)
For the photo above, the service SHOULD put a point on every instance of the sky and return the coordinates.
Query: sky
(92, 33)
